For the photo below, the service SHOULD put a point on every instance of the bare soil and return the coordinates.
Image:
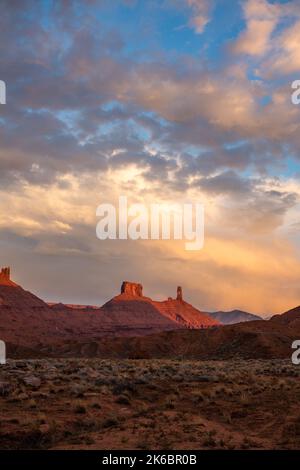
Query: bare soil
(149, 404)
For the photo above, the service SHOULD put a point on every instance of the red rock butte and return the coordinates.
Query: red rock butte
(25, 319)
(168, 328)
(175, 310)
(132, 289)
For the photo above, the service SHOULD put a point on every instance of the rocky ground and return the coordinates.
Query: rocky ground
(149, 404)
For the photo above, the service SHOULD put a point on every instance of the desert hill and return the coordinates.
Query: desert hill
(290, 318)
(250, 340)
(23, 316)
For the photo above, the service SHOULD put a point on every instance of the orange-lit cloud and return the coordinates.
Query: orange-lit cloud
(158, 113)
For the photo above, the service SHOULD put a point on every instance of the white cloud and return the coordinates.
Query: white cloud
(261, 19)
(200, 14)
(268, 38)
(285, 57)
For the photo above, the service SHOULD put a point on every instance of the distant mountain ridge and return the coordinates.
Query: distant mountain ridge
(233, 316)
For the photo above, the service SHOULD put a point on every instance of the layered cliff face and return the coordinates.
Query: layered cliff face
(184, 313)
(132, 289)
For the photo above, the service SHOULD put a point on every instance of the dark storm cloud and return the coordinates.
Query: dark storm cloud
(225, 183)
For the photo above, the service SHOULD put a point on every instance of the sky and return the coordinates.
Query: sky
(161, 101)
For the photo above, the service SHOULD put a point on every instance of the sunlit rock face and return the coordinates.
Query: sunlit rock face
(132, 288)
(5, 277)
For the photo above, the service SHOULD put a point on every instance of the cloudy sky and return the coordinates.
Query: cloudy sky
(159, 100)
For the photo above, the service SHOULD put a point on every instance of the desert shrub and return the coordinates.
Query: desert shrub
(80, 409)
(123, 400)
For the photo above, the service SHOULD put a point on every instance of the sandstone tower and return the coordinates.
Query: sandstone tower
(179, 293)
(5, 274)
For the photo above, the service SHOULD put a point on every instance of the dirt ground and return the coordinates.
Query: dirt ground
(149, 404)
